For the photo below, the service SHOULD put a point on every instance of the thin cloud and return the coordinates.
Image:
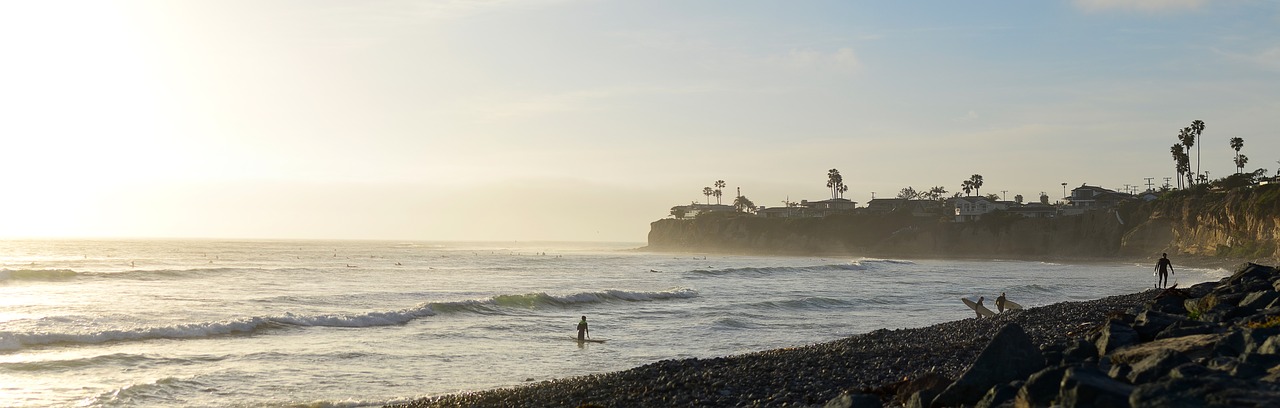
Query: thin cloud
(843, 59)
(1149, 6)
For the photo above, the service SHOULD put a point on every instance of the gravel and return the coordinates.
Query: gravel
(801, 376)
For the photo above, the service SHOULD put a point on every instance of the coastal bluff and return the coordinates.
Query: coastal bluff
(1239, 224)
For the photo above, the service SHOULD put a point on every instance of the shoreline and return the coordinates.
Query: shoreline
(804, 375)
(1181, 260)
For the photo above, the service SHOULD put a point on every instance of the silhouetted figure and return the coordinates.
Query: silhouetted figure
(976, 309)
(1000, 303)
(583, 332)
(1164, 268)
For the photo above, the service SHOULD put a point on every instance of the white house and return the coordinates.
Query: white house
(973, 208)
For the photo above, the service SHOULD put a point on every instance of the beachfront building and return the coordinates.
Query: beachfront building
(973, 208)
(692, 210)
(1089, 197)
(1034, 210)
(827, 207)
(918, 208)
(780, 212)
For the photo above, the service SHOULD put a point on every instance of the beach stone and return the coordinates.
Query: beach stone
(1011, 355)
(1270, 346)
(1200, 289)
(1040, 388)
(1150, 323)
(854, 400)
(1000, 395)
(1086, 387)
(1190, 370)
(1115, 335)
(1251, 272)
(1155, 366)
(1194, 346)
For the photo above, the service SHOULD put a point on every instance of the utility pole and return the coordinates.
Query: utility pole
(1149, 183)
(1166, 182)
(1002, 193)
(1064, 191)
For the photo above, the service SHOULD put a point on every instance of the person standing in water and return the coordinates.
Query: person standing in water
(1000, 303)
(583, 332)
(1164, 267)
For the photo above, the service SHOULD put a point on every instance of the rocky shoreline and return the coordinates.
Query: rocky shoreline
(1213, 344)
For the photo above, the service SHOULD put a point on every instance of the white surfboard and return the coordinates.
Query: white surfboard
(1011, 305)
(982, 310)
(589, 340)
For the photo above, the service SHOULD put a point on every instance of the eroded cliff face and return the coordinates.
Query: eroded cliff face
(1241, 224)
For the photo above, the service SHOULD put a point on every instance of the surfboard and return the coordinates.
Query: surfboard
(589, 340)
(982, 310)
(1011, 305)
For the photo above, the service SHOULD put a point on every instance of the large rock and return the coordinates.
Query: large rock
(1251, 272)
(1246, 340)
(1209, 391)
(1078, 351)
(854, 400)
(1259, 300)
(1087, 387)
(1040, 389)
(1193, 347)
(1150, 323)
(1000, 395)
(1009, 356)
(1115, 335)
(1155, 366)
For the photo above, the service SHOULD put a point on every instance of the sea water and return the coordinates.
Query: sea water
(336, 323)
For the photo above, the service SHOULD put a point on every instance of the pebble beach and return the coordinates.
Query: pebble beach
(810, 375)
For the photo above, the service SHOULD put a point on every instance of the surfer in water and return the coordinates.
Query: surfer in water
(1164, 267)
(583, 332)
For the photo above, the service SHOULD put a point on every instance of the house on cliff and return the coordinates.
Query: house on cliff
(973, 208)
(1087, 197)
(692, 210)
(827, 207)
(918, 208)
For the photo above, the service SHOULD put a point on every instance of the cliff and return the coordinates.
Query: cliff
(1240, 224)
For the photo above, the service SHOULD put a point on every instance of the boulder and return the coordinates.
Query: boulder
(1009, 356)
(1251, 272)
(1115, 335)
(929, 381)
(1077, 351)
(1259, 300)
(1186, 328)
(1193, 347)
(1086, 387)
(1150, 323)
(1000, 395)
(1040, 389)
(1155, 366)
(1211, 391)
(921, 399)
(1245, 340)
(854, 400)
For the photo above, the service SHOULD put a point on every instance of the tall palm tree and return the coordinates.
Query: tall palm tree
(1197, 126)
(834, 182)
(1178, 153)
(1237, 143)
(1241, 160)
(1188, 138)
(744, 204)
(719, 184)
(717, 195)
(967, 186)
(707, 191)
(977, 183)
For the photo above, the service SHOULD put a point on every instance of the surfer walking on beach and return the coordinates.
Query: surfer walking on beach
(1164, 268)
(583, 332)
(1000, 303)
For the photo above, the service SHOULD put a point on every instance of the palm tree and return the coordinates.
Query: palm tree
(1188, 140)
(1237, 143)
(719, 184)
(1241, 160)
(908, 193)
(717, 195)
(937, 192)
(977, 183)
(707, 191)
(834, 182)
(967, 186)
(1197, 126)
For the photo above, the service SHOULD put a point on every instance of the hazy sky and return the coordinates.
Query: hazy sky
(586, 120)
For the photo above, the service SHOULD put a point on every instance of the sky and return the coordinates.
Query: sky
(585, 120)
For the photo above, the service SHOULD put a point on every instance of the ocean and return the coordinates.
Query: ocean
(222, 323)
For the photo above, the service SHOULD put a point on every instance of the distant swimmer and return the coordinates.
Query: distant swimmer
(583, 332)
(1164, 267)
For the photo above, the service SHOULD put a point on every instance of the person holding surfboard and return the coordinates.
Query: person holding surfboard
(1164, 267)
(583, 332)
(1000, 303)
